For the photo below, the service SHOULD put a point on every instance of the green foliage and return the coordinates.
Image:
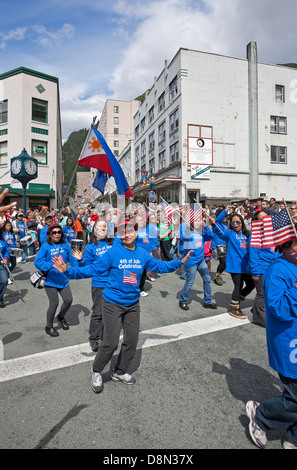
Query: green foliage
(71, 150)
(292, 65)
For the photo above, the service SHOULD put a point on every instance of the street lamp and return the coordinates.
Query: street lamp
(24, 169)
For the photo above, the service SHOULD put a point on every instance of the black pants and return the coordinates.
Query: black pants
(165, 248)
(114, 318)
(259, 303)
(222, 264)
(53, 297)
(240, 292)
(96, 324)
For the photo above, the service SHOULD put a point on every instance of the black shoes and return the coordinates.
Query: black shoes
(63, 322)
(212, 305)
(184, 306)
(51, 331)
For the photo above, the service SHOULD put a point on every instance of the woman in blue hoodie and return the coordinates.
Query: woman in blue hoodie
(4, 259)
(56, 282)
(237, 238)
(193, 239)
(280, 290)
(124, 263)
(260, 259)
(100, 242)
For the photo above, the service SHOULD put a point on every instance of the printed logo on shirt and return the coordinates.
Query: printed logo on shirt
(129, 277)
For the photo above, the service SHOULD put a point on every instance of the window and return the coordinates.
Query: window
(116, 109)
(3, 153)
(152, 166)
(174, 153)
(116, 120)
(142, 149)
(278, 125)
(142, 125)
(39, 110)
(116, 130)
(279, 93)
(39, 151)
(161, 102)
(173, 121)
(116, 153)
(151, 141)
(161, 132)
(116, 143)
(3, 111)
(162, 160)
(137, 155)
(136, 133)
(151, 115)
(278, 154)
(173, 89)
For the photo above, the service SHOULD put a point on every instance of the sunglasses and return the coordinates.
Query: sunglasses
(235, 223)
(56, 232)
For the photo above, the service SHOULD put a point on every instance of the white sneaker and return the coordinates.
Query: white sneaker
(152, 279)
(125, 378)
(143, 294)
(288, 444)
(9, 281)
(97, 382)
(257, 434)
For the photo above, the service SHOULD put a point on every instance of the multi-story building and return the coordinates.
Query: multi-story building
(236, 116)
(30, 119)
(117, 127)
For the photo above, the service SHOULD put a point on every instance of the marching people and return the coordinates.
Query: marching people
(153, 233)
(21, 232)
(48, 220)
(4, 275)
(68, 230)
(193, 240)
(11, 241)
(280, 290)
(260, 259)
(124, 263)
(143, 241)
(220, 248)
(100, 242)
(237, 259)
(56, 282)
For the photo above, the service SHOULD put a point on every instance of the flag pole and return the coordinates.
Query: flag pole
(290, 217)
(73, 174)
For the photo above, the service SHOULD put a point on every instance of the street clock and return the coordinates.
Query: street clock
(24, 168)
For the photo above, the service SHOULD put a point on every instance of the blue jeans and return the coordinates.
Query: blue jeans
(280, 412)
(25, 252)
(202, 268)
(3, 281)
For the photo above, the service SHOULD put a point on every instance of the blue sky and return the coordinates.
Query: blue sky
(104, 49)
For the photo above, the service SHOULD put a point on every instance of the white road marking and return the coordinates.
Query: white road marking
(72, 355)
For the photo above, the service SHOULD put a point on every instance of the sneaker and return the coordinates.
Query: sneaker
(97, 382)
(151, 279)
(288, 444)
(218, 281)
(2, 305)
(125, 378)
(212, 305)
(9, 281)
(257, 434)
(143, 294)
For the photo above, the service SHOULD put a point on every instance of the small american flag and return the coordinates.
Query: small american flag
(278, 229)
(194, 213)
(257, 233)
(129, 277)
(168, 213)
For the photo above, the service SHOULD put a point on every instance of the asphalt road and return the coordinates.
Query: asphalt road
(194, 373)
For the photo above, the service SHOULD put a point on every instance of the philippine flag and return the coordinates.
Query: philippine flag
(97, 154)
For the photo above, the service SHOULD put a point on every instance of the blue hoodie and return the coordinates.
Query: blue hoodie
(4, 250)
(261, 258)
(143, 239)
(281, 316)
(193, 240)
(93, 253)
(237, 257)
(43, 261)
(124, 267)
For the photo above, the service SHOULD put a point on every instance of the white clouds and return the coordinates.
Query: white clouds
(53, 38)
(16, 34)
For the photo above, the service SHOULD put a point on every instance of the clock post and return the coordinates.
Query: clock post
(24, 168)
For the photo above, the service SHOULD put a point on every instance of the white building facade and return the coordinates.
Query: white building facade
(30, 119)
(244, 109)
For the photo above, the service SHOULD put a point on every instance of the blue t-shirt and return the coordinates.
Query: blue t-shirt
(124, 267)
(93, 253)
(194, 240)
(10, 239)
(69, 233)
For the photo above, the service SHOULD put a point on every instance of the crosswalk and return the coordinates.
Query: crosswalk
(72, 355)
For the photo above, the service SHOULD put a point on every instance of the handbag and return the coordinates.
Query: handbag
(222, 250)
(38, 279)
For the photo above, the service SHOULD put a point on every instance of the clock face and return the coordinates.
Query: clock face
(30, 167)
(16, 167)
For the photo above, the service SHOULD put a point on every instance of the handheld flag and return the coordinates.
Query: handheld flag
(194, 213)
(278, 229)
(257, 233)
(168, 213)
(97, 154)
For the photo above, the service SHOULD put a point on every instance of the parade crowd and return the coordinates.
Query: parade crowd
(122, 250)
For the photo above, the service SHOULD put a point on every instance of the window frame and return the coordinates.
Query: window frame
(35, 154)
(3, 112)
(280, 97)
(277, 125)
(4, 154)
(278, 154)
